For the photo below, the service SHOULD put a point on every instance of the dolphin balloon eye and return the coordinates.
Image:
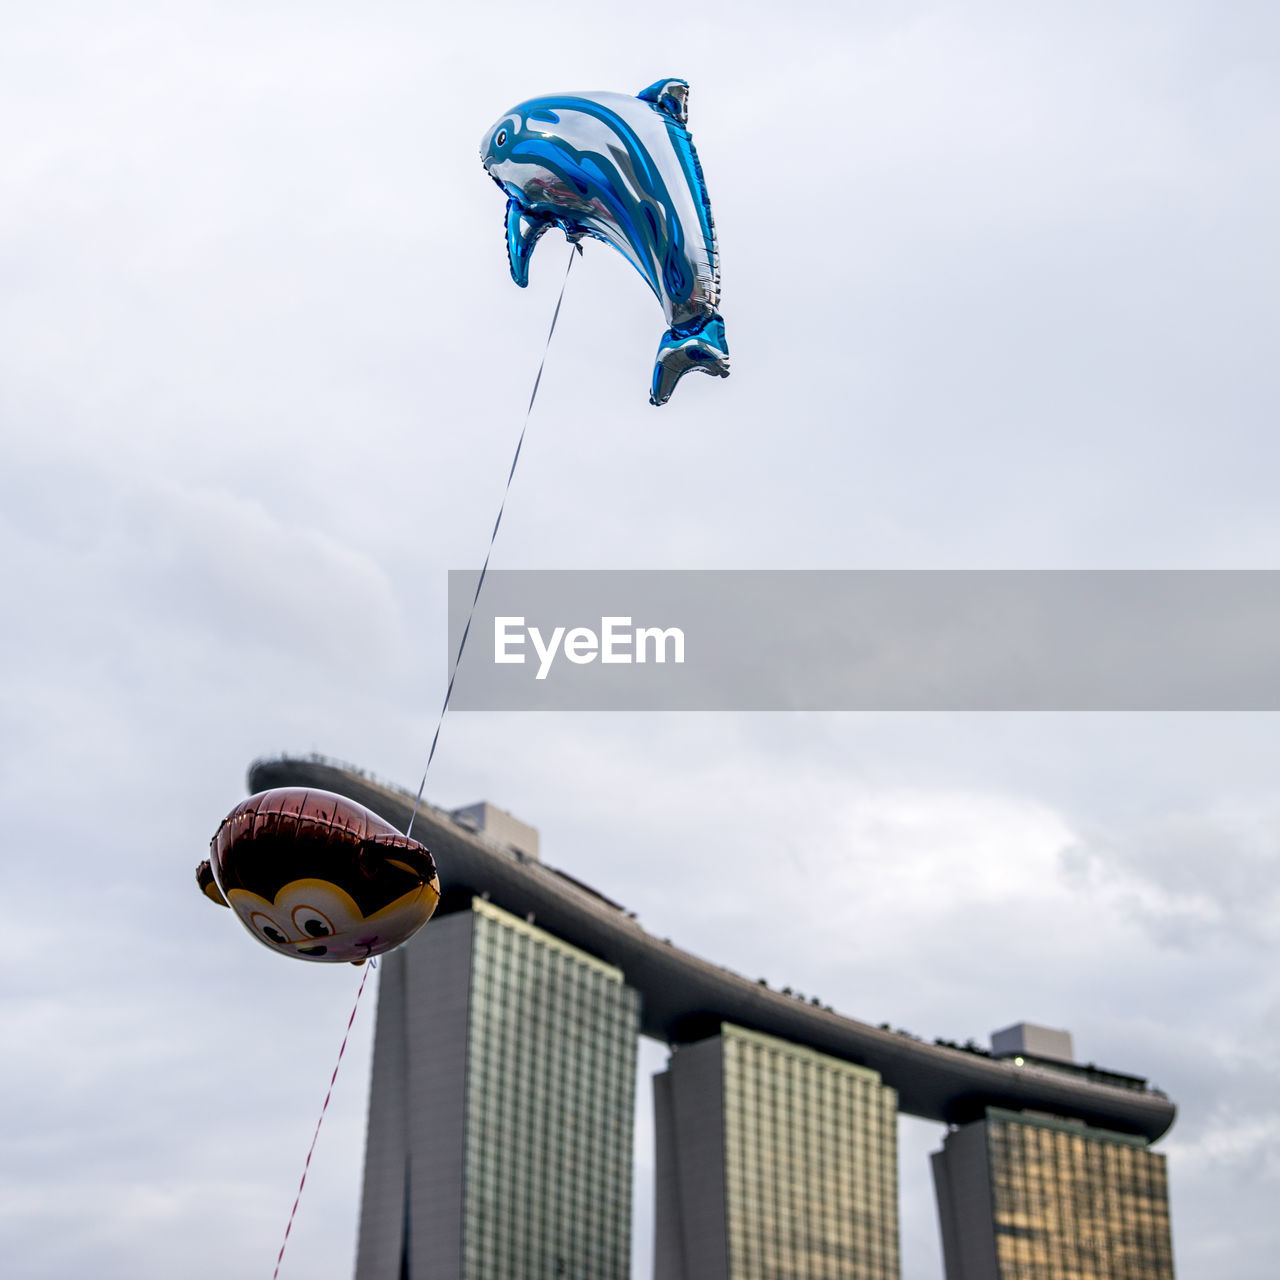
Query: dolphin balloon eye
(315, 924)
(501, 139)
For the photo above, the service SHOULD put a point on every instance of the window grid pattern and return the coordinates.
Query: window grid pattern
(1076, 1202)
(811, 1164)
(550, 1100)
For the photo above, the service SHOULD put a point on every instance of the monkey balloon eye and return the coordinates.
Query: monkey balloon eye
(268, 929)
(501, 139)
(312, 922)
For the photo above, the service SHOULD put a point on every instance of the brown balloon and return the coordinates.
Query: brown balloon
(316, 876)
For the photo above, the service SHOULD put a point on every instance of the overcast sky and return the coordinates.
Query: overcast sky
(1001, 288)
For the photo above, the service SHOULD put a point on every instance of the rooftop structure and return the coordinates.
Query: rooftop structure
(505, 830)
(1024, 1040)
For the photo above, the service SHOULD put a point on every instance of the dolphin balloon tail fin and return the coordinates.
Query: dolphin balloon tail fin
(523, 230)
(670, 96)
(698, 345)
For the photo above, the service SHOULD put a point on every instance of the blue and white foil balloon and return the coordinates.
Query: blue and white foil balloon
(622, 170)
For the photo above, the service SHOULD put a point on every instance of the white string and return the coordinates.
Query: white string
(574, 250)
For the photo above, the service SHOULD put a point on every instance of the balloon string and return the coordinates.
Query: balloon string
(373, 964)
(574, 250)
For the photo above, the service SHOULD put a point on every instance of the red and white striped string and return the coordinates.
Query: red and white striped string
(373, 964)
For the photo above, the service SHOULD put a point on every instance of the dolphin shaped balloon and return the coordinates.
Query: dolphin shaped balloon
(622, 170)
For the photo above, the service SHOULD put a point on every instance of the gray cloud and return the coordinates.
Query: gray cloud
(1191, 877)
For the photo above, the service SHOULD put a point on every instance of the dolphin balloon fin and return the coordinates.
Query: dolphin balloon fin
(669, 96)
(699, 346)
(523, 230)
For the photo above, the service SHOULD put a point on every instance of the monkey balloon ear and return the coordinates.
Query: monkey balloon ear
(401, 852)
(208, 885)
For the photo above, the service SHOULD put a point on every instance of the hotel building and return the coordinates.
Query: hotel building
(1022, 1197)
(773, 1163)
(500, 1117)
(501, 1108)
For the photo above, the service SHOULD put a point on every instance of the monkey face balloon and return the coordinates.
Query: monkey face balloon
(316, 876)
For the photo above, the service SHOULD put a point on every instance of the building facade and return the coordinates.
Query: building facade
(774, 1162)
(1025, 1197)
(501, 1108)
